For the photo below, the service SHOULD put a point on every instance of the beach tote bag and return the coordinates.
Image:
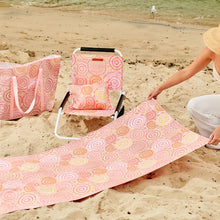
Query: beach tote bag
(28, 89)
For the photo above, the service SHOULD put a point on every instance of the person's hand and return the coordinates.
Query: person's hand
(154, 93)
(215, 136)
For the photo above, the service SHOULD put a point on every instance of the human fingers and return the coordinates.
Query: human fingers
(150, 96)
(213, 140)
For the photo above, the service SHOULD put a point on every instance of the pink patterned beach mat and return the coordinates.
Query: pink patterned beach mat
(135, 144)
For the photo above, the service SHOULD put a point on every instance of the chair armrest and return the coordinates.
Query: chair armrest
(120, 101)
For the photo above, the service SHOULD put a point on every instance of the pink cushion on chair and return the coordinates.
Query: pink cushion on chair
(90, 97)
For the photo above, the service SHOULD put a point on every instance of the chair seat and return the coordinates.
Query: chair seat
(70, 111)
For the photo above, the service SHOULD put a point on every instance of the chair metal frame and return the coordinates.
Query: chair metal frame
(119, 110)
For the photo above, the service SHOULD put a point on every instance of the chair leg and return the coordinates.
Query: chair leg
(121, 112)
(117, 110)
(56, 127)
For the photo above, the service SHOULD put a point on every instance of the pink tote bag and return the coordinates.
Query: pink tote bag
(28, 89)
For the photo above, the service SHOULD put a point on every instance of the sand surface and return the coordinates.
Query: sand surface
(188, 188)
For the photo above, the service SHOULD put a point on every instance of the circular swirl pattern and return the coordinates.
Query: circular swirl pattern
(5, 77)
(179, 152)
(81, 81)
(144, 107)
(33, 71)
(163, 155)
(27, 199)
(189, 138)
(153, 134)
(117, 165)
(13, 184)
(177, 137)
(150, 115)
(86, 90)
(4, 108)
(89, 103)
(50, 159)
(101, 95)
(49, 85)
(66, 156)
(110, 148)
(176, 145)
(151, 125)
(111, 139)
(100, 106)
(9, 195)
(110, 157)
(78, 161)
(158, 107)
(7, 96)
(82, 68)
(95, 145)
(73, 59)
(23, 82)
(46, 189)
(82, 189)
(99, 178)
(67, 176)
(94, 79)
(98, 171)
(94, 155)
(137, 134)
(30, 167)
(163, 119)
(79, 151)
(5, 165)
(126, 155)
(123, 143)
(138, 146)
(27, 99)
(168, 131)
(114, 81)
(122, 130)
(136, 121)
(20, 70)
(29, 188)
(146, 154)
(161, 144)
(133, 162)
(48, 180)
(116, 62)
(146, 164)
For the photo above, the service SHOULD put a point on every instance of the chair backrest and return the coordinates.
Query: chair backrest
(89, 69)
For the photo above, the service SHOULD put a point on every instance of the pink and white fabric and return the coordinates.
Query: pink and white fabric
(99, 113)
(28, 89)
(135, 144)
(92, 69)
(89, 69)
(90, 97)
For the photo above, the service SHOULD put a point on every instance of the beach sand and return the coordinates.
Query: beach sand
(188, 188)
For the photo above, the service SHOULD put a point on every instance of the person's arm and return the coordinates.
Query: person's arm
(198, 64)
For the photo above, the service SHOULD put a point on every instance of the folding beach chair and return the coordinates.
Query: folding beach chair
(93, 77)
